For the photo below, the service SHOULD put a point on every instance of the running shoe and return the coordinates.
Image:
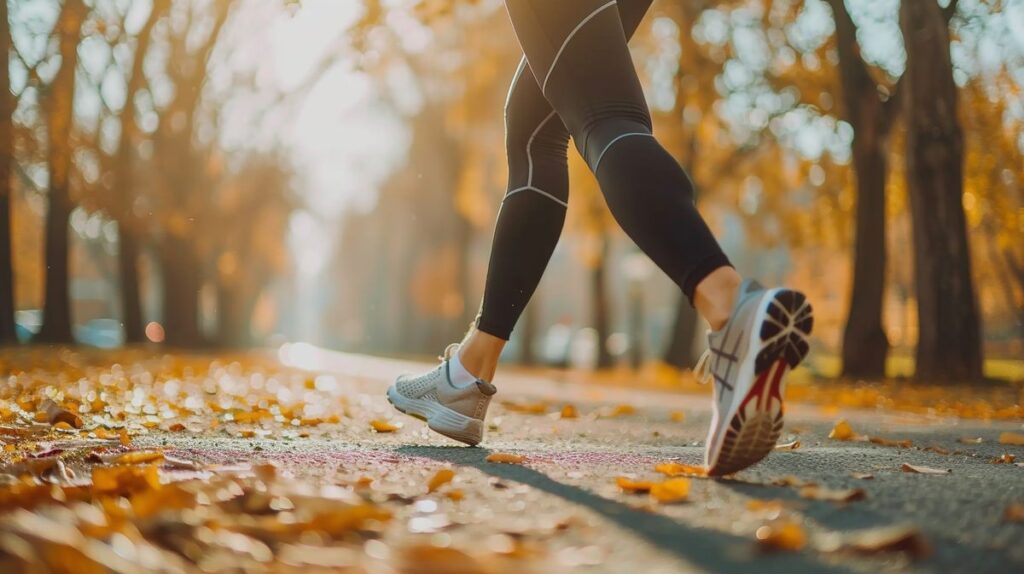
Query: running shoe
(456, 412)
(747, 360)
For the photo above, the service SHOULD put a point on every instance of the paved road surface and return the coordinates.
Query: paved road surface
(565, 500)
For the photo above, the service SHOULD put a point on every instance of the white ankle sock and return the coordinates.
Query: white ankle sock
(459, 375)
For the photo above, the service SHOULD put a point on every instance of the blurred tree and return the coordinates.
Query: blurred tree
(59, 105)
(949, 339)
(124, 183)
(870, 108)
(7, 103)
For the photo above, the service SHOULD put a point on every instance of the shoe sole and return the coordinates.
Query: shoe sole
(439, 418)
(755, 426)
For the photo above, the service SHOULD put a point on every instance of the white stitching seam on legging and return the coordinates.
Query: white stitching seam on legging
(515, 80)
(540, 191)
(544, 86)
(611, 143)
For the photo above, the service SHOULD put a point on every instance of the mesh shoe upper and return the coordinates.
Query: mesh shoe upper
(435, 385)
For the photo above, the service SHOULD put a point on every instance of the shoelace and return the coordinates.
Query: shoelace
(703, 369)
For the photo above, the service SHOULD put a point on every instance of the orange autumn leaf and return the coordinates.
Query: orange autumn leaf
(889, 442)
(139, 457)
(505, 458)
(176, 427)
(842, 431)
(1004, 459)
(569, 412)
(677, 416)
(787, 536)
(455, 495)
(125, 479)
(383, 426)
(622, 410)
(678, 469)
(672, 490)
(1014, 512)
(124, 438)
(440, 478)
(770, 506)
(634, 486)
(1014, 438)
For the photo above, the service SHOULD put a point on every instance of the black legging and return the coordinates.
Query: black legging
(577, 78)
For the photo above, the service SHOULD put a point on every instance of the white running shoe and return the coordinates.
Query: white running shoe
(747, 359)
(456, 412)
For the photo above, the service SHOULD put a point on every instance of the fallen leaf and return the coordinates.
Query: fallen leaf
(1004, 459)
(925, 469)
(569, 412)
(634, 486)
(790, 480)
(54, 413)
(430, 559)
(505, 458)
(671, 490)
(1014, 438)
(526, 408)
(440, 478)
(455, 494)
(677, 416)
(898, 538)
(890, 442)
(622, 410)
(383, 426)
(124, 437)
(832, 495)
(1014, 512)
(677, 469)
(758, 505)
(125, 479)
(792, 445)
(936, 449)
(786, 536)
(862, 475)
(969, 440)
(139, 457)
(842, 431)
(176, 427)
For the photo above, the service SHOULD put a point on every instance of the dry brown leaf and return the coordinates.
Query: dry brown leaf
(440, 478)
(969, 440)
(791, 445)
(786, 536)
(634, 486)
(176, 427)
(790, 480)
(54, 413)
(1014, 438)
(890, 442)
(677, 469)
(832, 495)
(875, 540)
(842, 431)
(383, 426)
(671, 490)
(429, 559)
(862, 475)
(924, 469)
(526, 408)
(1014, 512)
(505, 458)
(1004, 459)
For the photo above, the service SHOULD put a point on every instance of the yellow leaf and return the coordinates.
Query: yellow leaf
(441, 478)
(569, 412)
(672, 490)
(139, 457)
(1014, 438)
(842, 431)
(383, 426)
(634, 486)
(677, 416)
(505, 458)
(677, 469)
(455, 495)
(788, 536)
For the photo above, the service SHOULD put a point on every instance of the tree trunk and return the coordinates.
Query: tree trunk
(679, 352)
(181, 285)
(599, 303)
(8, 335)
(131, 300)
(56, 326)
(864, 342)
(949, 338)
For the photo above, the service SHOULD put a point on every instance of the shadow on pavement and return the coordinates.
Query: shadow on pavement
(706, 549)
